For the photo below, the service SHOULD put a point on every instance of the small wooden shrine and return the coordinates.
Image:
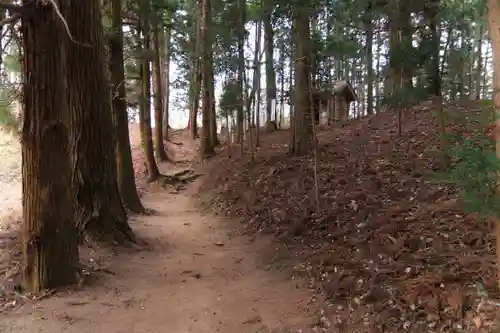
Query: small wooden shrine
(333, 102)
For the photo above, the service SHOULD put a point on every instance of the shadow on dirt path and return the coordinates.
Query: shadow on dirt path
(193, 277)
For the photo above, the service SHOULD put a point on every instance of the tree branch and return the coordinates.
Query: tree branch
(10, 20)
(5, 4)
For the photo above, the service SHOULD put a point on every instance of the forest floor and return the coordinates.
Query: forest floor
(249, 248)
(195, 274)
(383, 239)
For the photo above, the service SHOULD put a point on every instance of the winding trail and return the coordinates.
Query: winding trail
(195, 276)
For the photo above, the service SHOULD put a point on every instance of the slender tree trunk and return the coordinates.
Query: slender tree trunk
(195, 85)
(207, 148)
(166, 50)
(49, 239)
(125, 168)
(241, 73)
(434, 77)
(269, 47)
(302, 101)
(99, 213)
(369, 63)
(494, 30)
(159, 110)
(145, 96)
(256, 79)
(214, 140)
(479, 59)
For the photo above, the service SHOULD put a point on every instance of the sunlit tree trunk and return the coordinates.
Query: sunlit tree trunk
(269, 50)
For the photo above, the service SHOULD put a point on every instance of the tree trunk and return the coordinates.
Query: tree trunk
(99, 213)
(494, 30)
(255, 92)
(145, 96)
(433, 72)
(479, 59)
(195, 85)
(166, 50)
(302, 101)
(49, 239)
(241, 72)
(159, 110)
(369, 62)
(214, 140)
(125, 168)
(269, 47)
(206, 149)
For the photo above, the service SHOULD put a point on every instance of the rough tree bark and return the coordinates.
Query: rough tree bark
(125, 168)
(49, 239)
(369, 60)
(99, 213)
(207, 148)
(166, 50)
(301, 99)
(270, 73)
(195, 84)
(241, 72)
(494, 27)
(145, 96)
(159, 110)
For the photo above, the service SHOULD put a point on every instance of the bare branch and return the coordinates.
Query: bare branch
(5, 4)
(58, 12)
(10, 20)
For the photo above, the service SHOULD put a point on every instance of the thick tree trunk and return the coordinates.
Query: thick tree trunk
(100, 215)
(166, 50)
(145, 98)
(125, 168)
(207, 148)
(494, 31)
(269, 47)
(159, 110)
(49, 238)
(302, 100)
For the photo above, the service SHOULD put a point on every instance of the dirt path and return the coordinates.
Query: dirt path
(195, 277)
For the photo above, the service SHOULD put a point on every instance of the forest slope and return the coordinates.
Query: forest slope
(388, 247)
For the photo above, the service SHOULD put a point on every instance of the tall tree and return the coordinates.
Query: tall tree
(125, 168)
(368, 23)
(145, 95)
(49, 239)
(269, 49)
(99, 213)
(207, 147)
(166, 50)
(241, 71)
(159, 85)
(494, 27)
(302, 118)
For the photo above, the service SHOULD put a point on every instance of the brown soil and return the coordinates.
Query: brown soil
(195, 275)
